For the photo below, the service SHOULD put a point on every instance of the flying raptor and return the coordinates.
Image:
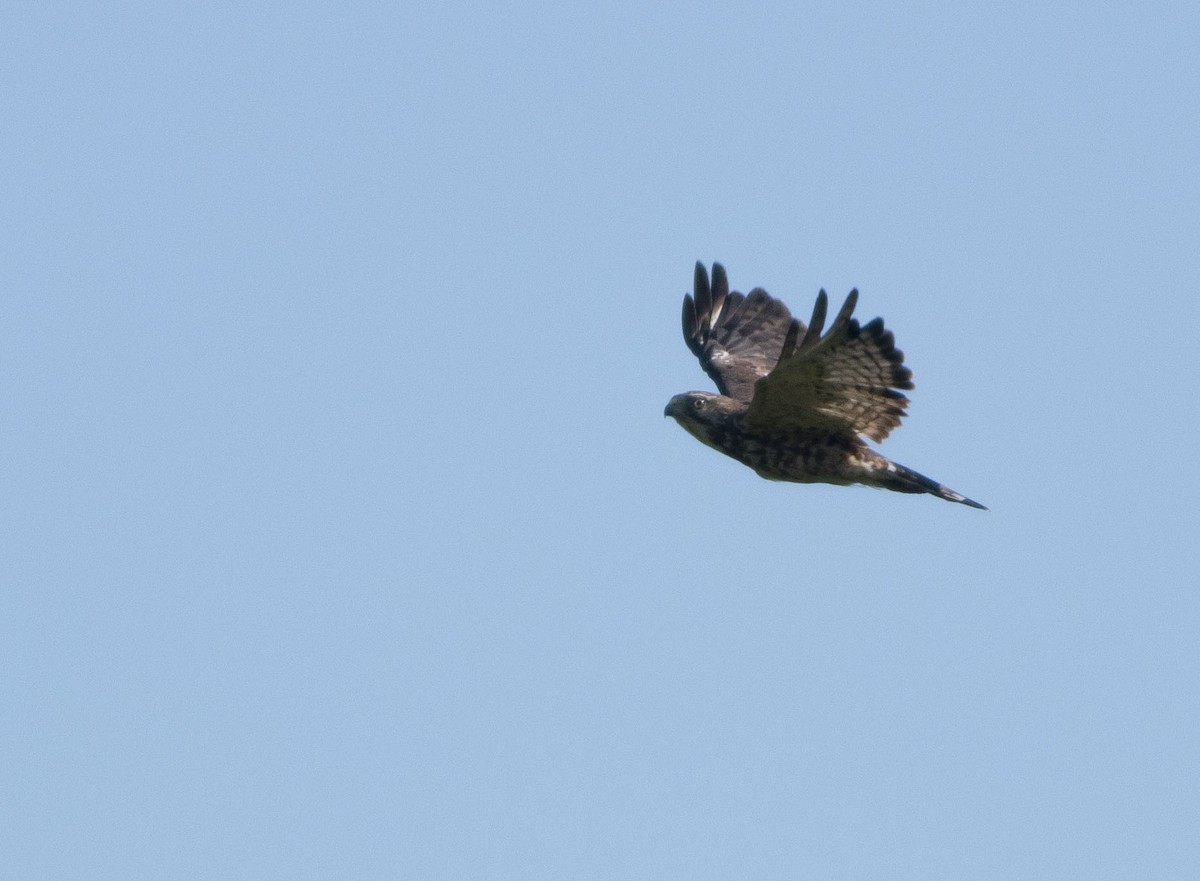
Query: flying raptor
(796, 404)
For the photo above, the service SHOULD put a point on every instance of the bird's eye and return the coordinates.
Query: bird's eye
(698, 404)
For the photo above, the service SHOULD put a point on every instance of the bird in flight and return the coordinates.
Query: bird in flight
(795, 404)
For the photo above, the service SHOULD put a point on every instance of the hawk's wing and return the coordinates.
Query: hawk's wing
(844, 381)
(737, 337)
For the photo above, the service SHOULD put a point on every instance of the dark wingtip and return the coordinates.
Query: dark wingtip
(719, 293)
(720, 279)
(843, 316)
(813, 334)
(701, 289)
(789, 341)
(819, 309)
(691, 324)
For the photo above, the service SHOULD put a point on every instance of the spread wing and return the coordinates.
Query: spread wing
(738, 338)
(844, 381)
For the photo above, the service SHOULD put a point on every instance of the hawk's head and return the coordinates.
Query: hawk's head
(704, 415)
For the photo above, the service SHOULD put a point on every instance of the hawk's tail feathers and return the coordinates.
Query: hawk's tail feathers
(905, 480)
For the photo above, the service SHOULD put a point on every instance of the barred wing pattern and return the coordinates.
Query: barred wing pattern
(738, 338)
(846, 381)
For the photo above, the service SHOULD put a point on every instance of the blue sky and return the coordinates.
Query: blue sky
(344, 533)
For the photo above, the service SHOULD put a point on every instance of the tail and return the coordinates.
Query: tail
(905, 480)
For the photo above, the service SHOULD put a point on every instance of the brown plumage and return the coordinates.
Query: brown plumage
(795, 404)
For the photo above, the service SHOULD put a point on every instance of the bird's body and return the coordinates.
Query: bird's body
(797, 456)
(794, 404)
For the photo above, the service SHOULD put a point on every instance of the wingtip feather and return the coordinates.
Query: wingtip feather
(702, 291)
(843, 316)
(789, 341)
(691, 329)
(813, 334)
(719, 293)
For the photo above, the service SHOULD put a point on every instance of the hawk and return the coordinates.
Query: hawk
(795, 405)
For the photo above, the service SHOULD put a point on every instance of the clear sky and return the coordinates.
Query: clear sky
(344, 536)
